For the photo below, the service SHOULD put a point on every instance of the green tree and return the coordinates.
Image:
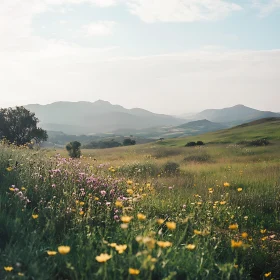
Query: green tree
(74, 149)
(19, 126)
(129, 142)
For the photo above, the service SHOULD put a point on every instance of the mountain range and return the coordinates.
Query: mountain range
(101, 117)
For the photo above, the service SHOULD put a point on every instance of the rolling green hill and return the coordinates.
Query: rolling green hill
(264, 128)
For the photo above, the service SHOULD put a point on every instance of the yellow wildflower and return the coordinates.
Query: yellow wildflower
(233, 227)
(12, 189)
(244, 235)
(171, 225)
(141, 217)
(129, 182)
(20, 274)
(82, 203)
(118, 203)
(160, 221)
(121, 248)
(8, 268)
(51, 253)
(226, 184)
(263, 231)
(223, 202)
(124, 226)
(190, 247)
(268, 274)
(129, 191)
(35, 216)
(9, 169)
(113, 245)
(236, 244)
(164, 244)
(133, 271)
(126, 219)
(103, 258)
(63, 250)
(197, 232)
(239, 189)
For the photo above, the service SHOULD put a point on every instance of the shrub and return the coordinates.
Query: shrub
(199, 143)
(138, 169)
(190, 144)
(129, 142)
(73, 149)
(198, 158)
(171, 168)
(259, 142)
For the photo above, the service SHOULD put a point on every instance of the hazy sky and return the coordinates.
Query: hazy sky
(167, 56)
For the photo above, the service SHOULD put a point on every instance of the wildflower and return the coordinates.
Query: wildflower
(148, 185)
(96, 198)
(113, 245)
(239, 189)
(141, 217)
(190, 247)
(12, 189)
(103, 258)
(35, 216)
(223, 202)
(233, 227)
(8, 268)
(164, 244)
(20, 274)
(235, 266)
(51, 253)
(226, 184)
(244, 235)
(133, 271)
(129, 191)
(197, 232)
(82, 203)
(236, 244)
(266, 275)
(81, 213)
(23, 188)
(63, 250)
(149, 242)
(160, 221)
(129, 182)
(171, 225)
(126, 219)
(263, 231)
(118, 203)
(121, 248)
(264, 238)
(9, 169)
(103, 193)
(124, 226)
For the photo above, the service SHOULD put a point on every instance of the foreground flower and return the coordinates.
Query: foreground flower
(129, 182)
(171, 225)
(8, 268)
(118, 203)
(126, 219)
(103, 258)
(121, 248)
(141, 217)
(244, 235)
(63, 250)
(129, 191)
(226, 184)
(239, 189)
(267, 274)
(160, 221)
(9, 169)
(233, 227)
(35, 216)
(197, 232)
(51, 253)
(190, 247)
(164, 244)
(236, 244)
(263, 231)
(133, 271)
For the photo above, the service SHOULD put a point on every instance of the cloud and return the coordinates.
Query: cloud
(100, 28)
(181, 10)
(266, 7)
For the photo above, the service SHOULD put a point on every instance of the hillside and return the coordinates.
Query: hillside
(98, 117)
(265, 128)
(234, 115)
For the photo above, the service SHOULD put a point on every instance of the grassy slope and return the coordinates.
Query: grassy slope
(266, 128)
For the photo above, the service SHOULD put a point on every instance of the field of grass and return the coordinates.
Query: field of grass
(144, 212)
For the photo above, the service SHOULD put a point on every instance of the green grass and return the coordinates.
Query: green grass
(67, 195)
(266, 128)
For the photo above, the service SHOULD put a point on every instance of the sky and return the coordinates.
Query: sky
(166, 56)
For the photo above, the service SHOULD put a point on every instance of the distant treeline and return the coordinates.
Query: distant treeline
(105, 144)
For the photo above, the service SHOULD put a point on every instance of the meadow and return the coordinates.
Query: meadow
(153, 211)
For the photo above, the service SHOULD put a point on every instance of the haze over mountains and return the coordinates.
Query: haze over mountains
(103, 117)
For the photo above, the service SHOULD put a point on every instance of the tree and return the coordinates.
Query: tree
(129, 142)
(74, 149)
(19, 126)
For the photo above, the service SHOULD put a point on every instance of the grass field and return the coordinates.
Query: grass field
(144, 212)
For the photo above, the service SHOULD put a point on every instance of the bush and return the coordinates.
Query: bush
(129, 142)
(259, 142)
(74, 149)
(199, 143)
(171, 168)
(143, 170)
(198, 158)
(190, 144)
